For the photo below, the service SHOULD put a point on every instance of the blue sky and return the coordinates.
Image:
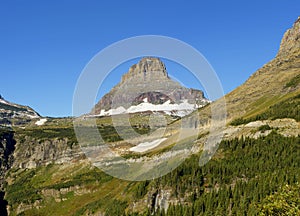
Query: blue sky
(44, 45)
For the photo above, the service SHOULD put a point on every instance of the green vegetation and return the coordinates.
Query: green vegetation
(135, 119)
(250, 171)
(264, 128)
(23, 191)
(90, 208)
(46, 133)
(28, 184)
(89, 176)
(294, 82)
(289, 108)
(115, 207)
(244, 178)
(112, 206)
(240, 121)
(113, 134)
(140, 189)
(109, 134)
(284, 202)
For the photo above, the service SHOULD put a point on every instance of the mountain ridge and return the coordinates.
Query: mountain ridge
(269, 84)
(12, 113)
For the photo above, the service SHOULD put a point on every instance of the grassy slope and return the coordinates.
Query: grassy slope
(276, 81)
(62, 183)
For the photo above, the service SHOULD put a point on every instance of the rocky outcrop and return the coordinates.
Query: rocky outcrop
(291, 40)
(148, 69)
(7, 147)
(31, 153)
(162, 200)
(149, 80)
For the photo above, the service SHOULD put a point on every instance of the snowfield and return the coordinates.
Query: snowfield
(145, 146)
(3, 101)
(181, 109)
(41, 122)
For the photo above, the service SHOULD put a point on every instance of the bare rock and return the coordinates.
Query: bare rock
(291, 40)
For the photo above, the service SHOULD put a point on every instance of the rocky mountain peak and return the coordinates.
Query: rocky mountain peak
(291, 40)
(148, 68)
(147, 86)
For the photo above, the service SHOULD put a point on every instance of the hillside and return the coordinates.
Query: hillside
(277, 81)
(255, 166)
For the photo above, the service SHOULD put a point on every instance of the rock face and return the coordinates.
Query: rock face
(32, 153)
(7, 147)
(148, 69)
(11, 113)
(291, 40)
(148, 81)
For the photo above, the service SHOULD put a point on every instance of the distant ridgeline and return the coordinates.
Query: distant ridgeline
(11, 113)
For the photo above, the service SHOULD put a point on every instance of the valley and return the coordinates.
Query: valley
(47, 170)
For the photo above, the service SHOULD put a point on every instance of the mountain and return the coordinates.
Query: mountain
(255, 170)
(148, 87)
(274, 84)
(15, 113)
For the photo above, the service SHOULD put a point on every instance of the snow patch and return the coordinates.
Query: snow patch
(116, 111)
(181, 109)
(41, 122)
(3, 101)
(31, 116)
(145, 146)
